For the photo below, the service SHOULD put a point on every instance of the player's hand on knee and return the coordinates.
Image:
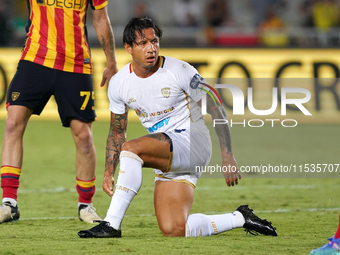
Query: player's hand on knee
(108, 184)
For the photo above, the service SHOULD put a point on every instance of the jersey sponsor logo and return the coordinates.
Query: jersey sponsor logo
(143, 114)
(158, 125)
(69, 4)
(166, 92)
(152, 114)
(15, 95)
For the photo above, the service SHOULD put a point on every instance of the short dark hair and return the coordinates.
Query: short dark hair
(137, 25)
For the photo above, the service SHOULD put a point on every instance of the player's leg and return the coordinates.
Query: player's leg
(243, 217)
(85, 150)
(154, 149)
(28, 94)
(15, 125)
(151, 151)
(174, 193)
(173, 202)
(85, 169)
(74, 96)
(11, 157)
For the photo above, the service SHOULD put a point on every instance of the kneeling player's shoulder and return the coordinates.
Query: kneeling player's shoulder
(179, 69)
(121, 75)
(174, 64)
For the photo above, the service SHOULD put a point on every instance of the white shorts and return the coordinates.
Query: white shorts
(191, 148)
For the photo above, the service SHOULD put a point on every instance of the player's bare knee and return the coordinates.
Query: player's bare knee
(176, 229)
(131, 146)
(14, 127)
(85, 142)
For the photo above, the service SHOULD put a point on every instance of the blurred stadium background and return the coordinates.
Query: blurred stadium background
(201, 23)
(221, 38)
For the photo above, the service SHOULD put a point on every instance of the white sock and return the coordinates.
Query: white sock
(206, 225)
(128, 184)
(11, 200)
(239, 219)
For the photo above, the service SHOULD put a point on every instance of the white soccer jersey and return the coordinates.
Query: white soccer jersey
(165, 101)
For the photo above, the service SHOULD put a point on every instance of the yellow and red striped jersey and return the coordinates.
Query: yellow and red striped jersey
(56, 34)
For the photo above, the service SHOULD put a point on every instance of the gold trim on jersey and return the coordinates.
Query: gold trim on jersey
(186, 98)
(170, 162)
(176, 180)
(161, 61)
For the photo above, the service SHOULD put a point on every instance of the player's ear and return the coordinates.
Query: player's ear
(128, 48)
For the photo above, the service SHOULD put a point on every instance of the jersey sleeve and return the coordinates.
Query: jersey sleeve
(190, 81)
(117, 105)
(98, 4)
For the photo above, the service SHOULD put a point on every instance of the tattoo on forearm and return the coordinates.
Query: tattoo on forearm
(108, 44)
(222, 131)
(115, 139)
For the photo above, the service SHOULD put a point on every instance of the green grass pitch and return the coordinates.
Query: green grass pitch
(304, 210)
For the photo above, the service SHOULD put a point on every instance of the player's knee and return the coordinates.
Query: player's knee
(131, 146)
(85, 137)
(84, 141)
(175, 229)
(14, 127)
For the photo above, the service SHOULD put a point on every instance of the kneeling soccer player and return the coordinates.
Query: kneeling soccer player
(164, 93)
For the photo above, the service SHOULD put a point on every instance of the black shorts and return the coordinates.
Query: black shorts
(34, 84)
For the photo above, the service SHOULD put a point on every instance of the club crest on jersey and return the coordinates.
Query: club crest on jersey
(15, 95)
(166, 92)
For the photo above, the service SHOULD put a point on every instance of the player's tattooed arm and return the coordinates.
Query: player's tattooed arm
(222, 131)
(224, 135)
(115, 139)
(103, 28)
